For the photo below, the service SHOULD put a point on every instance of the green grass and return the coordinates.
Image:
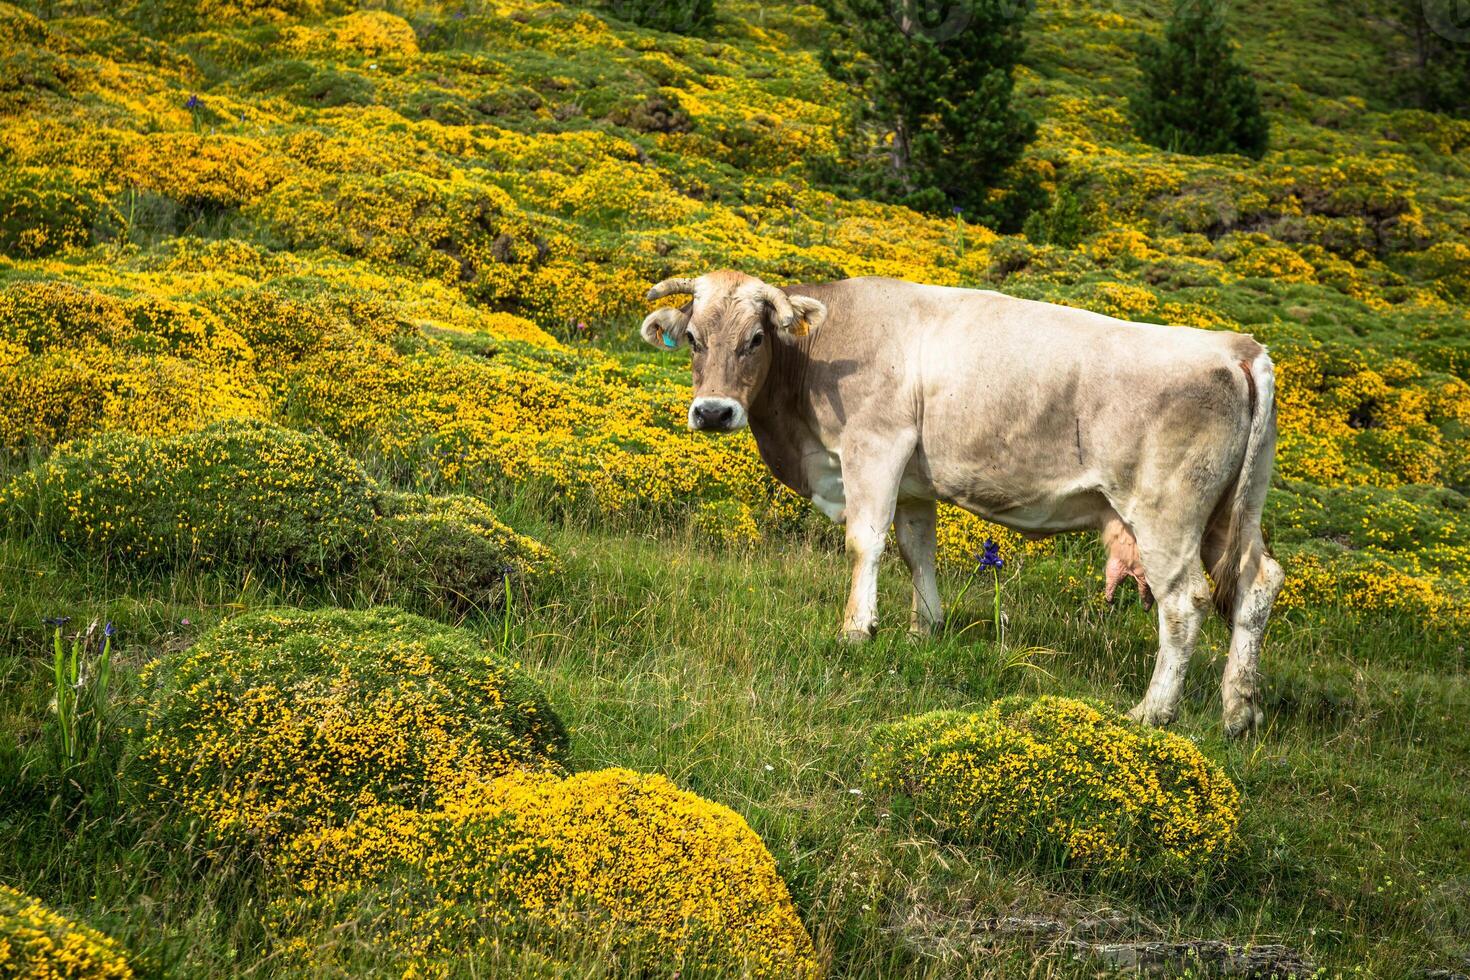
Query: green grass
(721, 670)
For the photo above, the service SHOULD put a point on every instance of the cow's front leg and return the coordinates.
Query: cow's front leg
(870, 475)
(914, 526)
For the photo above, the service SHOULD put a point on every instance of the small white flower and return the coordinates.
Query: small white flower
(770, 768)
(856, 792)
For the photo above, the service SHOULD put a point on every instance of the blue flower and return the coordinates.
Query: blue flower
(58, 621)
(957, 210)
(109, 630)
(194, 102)
(990, 556)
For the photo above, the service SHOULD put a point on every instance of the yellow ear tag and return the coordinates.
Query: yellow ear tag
(800, 328)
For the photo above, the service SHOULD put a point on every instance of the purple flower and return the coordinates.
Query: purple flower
(194, 102)
(109, 630)
(957, 210)
(990, 557)
(58, 621)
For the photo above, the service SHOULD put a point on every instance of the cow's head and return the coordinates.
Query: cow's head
(730, 326)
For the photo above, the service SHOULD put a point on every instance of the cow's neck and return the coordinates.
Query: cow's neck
(780, 416)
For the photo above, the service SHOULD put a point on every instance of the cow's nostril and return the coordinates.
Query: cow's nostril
(715, 416)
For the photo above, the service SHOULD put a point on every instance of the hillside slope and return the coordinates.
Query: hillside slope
(424, 231)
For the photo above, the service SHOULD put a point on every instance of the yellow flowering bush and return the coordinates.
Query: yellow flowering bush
(200, 169)
(457, 230)
(375, 33)
(675, 881)
(729, 522)
(254, 495)
(234, 493)
(452, 549)
(1064, 782)
(97, 361)
(44, 210)
(37, 943)
(284, 722)
(1274, 262)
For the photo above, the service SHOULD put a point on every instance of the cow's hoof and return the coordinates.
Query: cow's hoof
(859, 636)
(1243, 719)
(1147, 714)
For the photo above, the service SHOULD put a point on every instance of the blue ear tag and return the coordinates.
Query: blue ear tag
(670, 342)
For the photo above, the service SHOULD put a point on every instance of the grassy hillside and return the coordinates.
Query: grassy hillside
(422, 233)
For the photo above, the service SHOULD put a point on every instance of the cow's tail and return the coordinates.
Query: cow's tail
(1240, 521)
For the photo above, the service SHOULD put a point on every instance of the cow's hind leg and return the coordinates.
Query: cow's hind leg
(1260, 579)
(1177, 576)
(914, 526)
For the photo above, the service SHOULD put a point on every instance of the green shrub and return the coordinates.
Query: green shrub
(453, 550)
(1063, 782)
(233, 493)
(46, 211)
(244, 494)
(310, 85)
(1196, 98)
(283, 722)
(681, 16)
(1065, 222)
(39, 943)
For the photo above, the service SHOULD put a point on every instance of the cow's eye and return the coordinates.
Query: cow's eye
(695, 345)
(755, 341)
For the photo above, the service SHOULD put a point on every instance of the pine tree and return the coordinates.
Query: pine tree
(934, 85)
(1431, 56)
(680, 16)
(1196, 97)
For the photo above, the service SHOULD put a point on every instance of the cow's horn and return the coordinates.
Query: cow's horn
(781, 307)
(670, 287)
(796, 315)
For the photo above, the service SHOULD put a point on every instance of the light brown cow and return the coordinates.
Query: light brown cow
(875, 398)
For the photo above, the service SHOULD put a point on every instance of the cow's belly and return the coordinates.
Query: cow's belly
(1051, 508)
(1038, 515)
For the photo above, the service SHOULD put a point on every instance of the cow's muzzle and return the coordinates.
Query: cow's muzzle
(716, 415)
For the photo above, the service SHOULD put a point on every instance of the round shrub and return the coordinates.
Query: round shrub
(1062, 781)
(39, 943)
(48, 211)
(453, 550)
(675, 881)
(232, 493)
(281, 722)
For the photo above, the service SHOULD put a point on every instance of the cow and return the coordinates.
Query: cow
(876, 398)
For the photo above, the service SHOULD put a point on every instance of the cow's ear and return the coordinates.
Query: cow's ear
(666, 328)
(808, 315)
